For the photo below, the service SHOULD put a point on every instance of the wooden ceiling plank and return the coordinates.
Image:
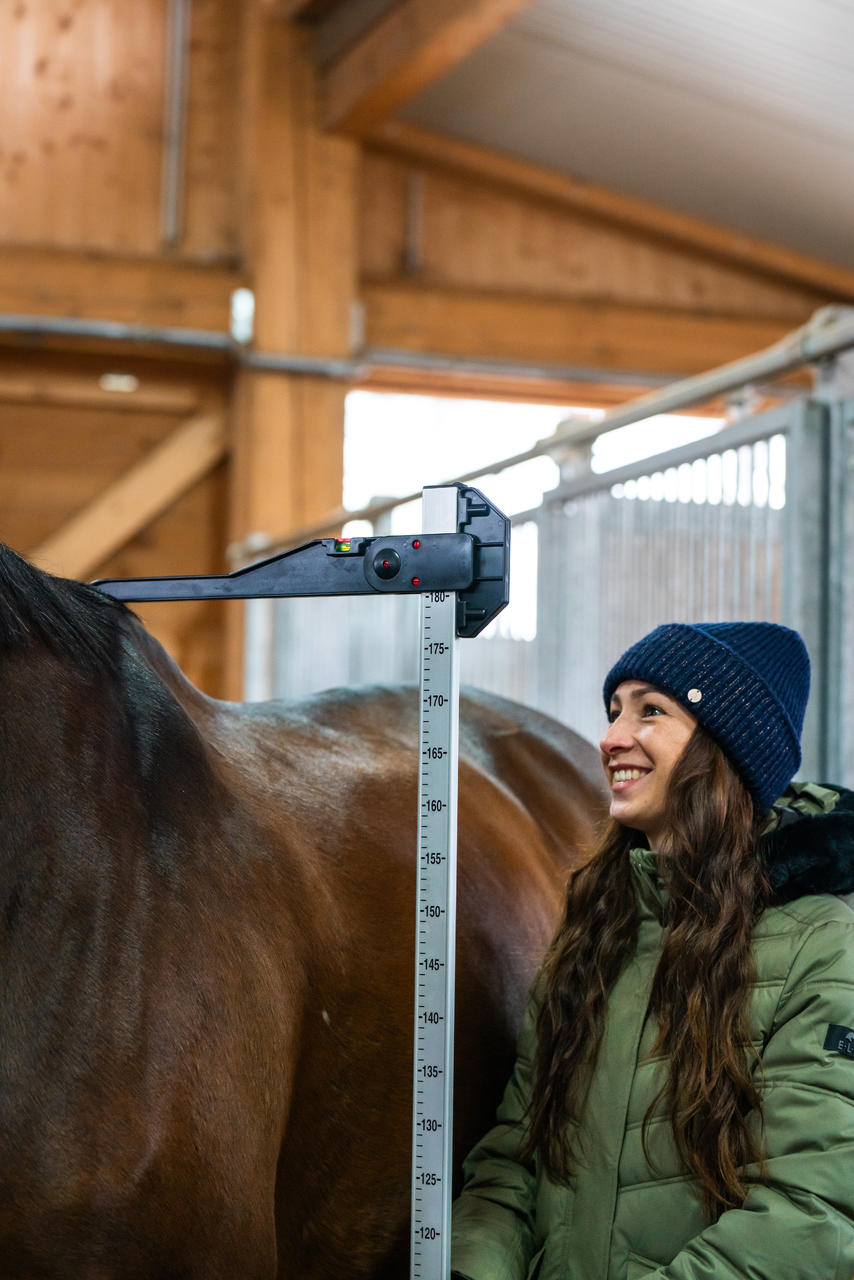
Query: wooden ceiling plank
(410, 47)
(580, 335)
(749, 252)
(111, 519)
(152, 291)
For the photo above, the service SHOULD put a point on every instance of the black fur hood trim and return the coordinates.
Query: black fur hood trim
(812, 853)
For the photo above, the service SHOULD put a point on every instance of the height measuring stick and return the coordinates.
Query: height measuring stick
(446, 615)
(436, 916)
(459, 566)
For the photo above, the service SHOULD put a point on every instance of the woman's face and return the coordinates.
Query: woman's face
(647, 733)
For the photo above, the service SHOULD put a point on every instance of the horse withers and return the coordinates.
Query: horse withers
(206, 951)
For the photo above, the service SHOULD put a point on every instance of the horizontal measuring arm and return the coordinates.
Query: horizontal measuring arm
(390, 564)
(473, 563)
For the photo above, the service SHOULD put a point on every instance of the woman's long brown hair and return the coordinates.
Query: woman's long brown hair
(701, 990)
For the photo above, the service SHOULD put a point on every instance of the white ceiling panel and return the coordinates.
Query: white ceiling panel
(742, 113)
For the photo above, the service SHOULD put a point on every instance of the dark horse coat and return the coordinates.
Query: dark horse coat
(206, 951)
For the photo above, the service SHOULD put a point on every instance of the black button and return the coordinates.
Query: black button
(386, 563)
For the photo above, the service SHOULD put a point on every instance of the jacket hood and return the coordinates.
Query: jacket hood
(809, 846)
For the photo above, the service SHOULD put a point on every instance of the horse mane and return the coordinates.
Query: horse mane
(75, 621)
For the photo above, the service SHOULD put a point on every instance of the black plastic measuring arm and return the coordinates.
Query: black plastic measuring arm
(474, 562)
(326, 567)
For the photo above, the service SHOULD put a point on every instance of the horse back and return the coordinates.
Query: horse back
(344, 765)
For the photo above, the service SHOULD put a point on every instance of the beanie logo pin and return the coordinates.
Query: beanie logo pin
(694, 695)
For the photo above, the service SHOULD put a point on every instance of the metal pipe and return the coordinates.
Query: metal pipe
(114, 331)
(430, 362)
(828, 331)
(174, 121)
(189, 339)
(317, 366)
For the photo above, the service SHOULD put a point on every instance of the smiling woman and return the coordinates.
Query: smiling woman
(682, 1105)
(647, 733)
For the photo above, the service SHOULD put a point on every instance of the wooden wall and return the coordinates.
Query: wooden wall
(82, 116)
(436, 251)
(82, 105)
(474, 236)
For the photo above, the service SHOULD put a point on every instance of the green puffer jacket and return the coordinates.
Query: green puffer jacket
(625, 1217)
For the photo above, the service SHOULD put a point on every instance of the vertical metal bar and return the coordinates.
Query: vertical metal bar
(706, 544)
(174, 121)
(736, 609)
(258, 657)
(721, 611)
(833, 504)
(648, 569)
(768, 606)
(846, 705)
(752, 540)
(547, 672)
(621, 615)
(690, 543)
(790, 564)
(805, 571)
(591, 620)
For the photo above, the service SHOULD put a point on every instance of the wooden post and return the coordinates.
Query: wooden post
(299, 232)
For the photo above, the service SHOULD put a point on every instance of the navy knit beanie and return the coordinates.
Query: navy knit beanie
(747, 684)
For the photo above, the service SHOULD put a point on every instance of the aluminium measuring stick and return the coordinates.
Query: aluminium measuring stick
(435, 919)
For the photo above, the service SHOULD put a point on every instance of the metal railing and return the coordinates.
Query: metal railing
(752, 522)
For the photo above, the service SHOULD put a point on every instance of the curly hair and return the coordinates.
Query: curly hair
(718, 888)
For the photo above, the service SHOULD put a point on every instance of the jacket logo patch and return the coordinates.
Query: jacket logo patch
(840, 1040)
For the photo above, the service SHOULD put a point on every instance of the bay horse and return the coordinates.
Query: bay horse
(206, 951)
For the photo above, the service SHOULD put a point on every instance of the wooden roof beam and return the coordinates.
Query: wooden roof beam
(410, 47)
(648, 341)
(722, 243)
(118, 287)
